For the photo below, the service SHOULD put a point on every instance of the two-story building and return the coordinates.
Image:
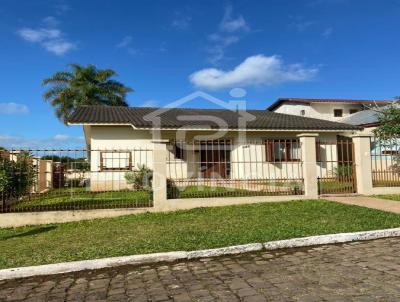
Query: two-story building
(326, 109)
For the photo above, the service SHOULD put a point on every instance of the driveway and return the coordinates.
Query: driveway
(360, 271)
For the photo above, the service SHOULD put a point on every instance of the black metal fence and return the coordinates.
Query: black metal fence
(223, 168)
(43, 180)
(385, 162)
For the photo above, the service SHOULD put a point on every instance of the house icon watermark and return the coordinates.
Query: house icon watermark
(203, 119)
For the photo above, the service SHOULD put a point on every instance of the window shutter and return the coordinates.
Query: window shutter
(318, 151)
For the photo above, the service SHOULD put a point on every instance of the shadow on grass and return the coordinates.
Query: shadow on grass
(34, 231)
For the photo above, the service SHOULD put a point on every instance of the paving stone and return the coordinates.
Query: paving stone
(357, 271)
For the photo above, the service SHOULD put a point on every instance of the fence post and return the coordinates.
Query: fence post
(362, 161)
(159, 172)
(309, 159)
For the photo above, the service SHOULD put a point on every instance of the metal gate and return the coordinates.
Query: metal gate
(336, 169)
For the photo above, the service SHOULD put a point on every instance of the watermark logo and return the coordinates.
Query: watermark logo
(190, 125)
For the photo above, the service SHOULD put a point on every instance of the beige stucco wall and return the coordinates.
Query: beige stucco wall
(318, 110)
(247, 156)
(45, 175)
(112, 138)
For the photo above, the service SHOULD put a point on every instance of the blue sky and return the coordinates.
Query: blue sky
(166, 50)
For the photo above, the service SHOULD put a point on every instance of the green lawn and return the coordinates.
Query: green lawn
(214, 191)
(390, 196)
(80, 198)
(328, 186)
(184, 230)
(208, 191)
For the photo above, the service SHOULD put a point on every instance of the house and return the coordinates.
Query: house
(385, 154)
(329, 109)
(252, 149)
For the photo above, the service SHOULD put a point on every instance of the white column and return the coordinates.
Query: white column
(160, 173)
(309, 159)
(362, 161)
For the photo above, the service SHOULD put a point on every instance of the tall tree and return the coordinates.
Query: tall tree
(83, 85)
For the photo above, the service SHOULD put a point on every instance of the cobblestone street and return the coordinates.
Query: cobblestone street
(361, 271)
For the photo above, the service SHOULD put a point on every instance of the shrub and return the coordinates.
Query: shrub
(17, 176)
(345, 170)
(141, 178)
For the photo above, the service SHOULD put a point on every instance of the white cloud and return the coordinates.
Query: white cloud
(59, 141)
(126, 43)
(13, 108)
(253, 71)
(59, 47)
(49, 37)
(38, 35)
(230, 24)
(229, 32)
(219, 44)
(61, 137)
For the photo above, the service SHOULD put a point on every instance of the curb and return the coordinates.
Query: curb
(76, 266)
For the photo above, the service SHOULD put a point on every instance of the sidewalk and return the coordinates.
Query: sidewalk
(322, 273)
(369, 202)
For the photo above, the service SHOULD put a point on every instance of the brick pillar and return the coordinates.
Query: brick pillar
(309, 159)
(362, 161)
(160, 173)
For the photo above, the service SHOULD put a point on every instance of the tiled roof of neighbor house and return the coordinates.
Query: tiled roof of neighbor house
(180, 117)
(280, 101)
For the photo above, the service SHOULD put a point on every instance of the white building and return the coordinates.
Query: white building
(327, 109)
(260, 153)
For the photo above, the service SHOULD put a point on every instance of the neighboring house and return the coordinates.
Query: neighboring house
(329, 109)
(385, 154)
(201, 143)
(368, 119)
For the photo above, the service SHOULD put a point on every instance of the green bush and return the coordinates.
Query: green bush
(141, 178)
(345, 170)
(17, 176)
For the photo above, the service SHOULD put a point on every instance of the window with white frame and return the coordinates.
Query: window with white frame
(115, 161)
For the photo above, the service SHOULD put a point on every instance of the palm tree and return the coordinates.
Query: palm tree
(83, 85)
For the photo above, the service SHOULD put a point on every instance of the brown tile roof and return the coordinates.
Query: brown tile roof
(180, 117)
(280, 101)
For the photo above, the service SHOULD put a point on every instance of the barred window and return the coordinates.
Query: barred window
(115, 161)
(282, 150)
